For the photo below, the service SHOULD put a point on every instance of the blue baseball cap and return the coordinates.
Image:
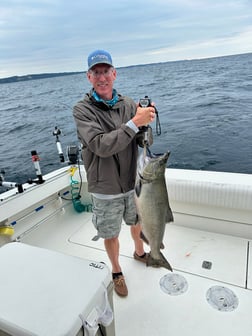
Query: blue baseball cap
(99, 57)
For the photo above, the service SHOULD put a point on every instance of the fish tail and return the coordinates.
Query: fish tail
(161, 262)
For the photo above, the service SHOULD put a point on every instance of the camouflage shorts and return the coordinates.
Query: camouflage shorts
(109, 213)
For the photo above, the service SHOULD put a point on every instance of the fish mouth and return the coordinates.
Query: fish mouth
(152, 155)
(152, 166)
(163, 156)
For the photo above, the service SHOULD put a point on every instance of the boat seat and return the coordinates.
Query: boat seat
(44, 293)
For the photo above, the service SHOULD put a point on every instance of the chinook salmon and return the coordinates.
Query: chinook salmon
(153, 204)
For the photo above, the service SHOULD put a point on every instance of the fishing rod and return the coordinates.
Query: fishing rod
(73, 160)
(35, 160)
(19, 186)
(10, 185)
(56, 133)
(72, 150)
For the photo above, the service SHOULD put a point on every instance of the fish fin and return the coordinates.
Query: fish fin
(138, 188)
(142, 236)
(162, 262)
(169, 216)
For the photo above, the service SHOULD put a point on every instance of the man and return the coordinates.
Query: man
(108, 129)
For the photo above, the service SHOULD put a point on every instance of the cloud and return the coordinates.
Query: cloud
(56, 35)
(206, 48)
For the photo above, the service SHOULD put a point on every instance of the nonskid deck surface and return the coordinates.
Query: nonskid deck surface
(148, 309)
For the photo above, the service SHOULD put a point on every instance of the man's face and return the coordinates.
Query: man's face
(102, 77)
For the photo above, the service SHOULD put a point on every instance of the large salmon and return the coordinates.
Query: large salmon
(153, 204)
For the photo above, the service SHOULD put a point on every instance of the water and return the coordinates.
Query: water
(205, 109)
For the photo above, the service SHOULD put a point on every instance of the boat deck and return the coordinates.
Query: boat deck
(204, 259)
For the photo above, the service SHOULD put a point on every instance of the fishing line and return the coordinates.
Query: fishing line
(158, 124)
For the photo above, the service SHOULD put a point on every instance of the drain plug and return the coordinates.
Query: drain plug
(173, 284)
(222, 298)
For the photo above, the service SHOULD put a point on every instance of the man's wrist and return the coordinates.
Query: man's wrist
(132, 125)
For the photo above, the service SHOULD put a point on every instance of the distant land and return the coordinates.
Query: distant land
(14, 79)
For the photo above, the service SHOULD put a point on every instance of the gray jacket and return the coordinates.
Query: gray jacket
(109, 147)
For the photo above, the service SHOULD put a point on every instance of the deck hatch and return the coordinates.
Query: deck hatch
(173, 284)
(222, 298)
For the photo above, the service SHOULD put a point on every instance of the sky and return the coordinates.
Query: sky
(43, 36)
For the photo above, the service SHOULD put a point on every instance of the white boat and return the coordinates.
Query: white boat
(208, 245)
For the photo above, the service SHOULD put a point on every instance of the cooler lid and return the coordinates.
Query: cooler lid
(44, 292)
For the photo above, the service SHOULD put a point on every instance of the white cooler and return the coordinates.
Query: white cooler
(47, 293)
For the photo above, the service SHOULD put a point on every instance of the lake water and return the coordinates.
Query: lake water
(205, 110)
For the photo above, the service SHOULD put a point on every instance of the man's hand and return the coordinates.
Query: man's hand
(144, 116)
